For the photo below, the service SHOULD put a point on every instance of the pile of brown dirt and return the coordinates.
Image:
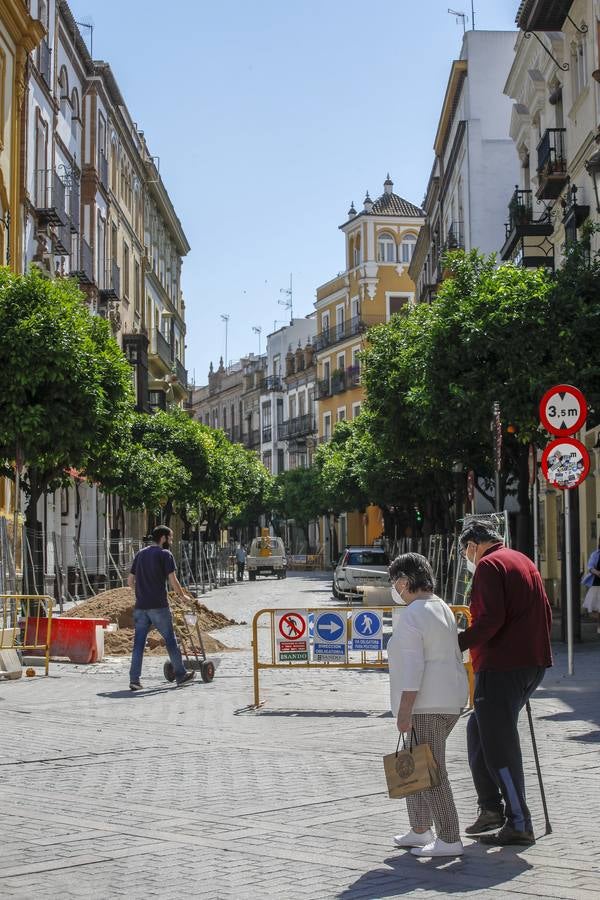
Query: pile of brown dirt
(120, 643)
(117, 606)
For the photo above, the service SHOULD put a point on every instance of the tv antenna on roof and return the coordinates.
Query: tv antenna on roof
(459, 15)
(289, 301)
(257, 329)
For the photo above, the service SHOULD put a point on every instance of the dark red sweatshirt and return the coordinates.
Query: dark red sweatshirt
(511, 614)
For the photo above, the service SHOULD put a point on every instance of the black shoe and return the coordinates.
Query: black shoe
(487, 820)
(508, 836)
(187, 678)
(136, 686)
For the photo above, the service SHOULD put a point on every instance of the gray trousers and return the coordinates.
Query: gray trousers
(435, 806)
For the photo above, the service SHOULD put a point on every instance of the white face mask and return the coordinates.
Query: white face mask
(471, 566)
(397, 596)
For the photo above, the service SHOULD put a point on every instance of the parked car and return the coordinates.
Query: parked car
(359, 567)
(267, 557)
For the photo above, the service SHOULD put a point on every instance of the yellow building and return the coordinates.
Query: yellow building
(19, 34)
(374, 285)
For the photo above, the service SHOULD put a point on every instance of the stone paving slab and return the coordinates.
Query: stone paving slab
(177, 793)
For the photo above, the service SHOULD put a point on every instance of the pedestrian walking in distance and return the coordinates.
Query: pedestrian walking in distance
(240, 558)
(429, 687)
(509, 640)
(151, 568)
(591, 580)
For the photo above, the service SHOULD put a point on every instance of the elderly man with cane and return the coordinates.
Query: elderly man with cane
(509, 640)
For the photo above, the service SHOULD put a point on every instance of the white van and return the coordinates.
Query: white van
(266, 557)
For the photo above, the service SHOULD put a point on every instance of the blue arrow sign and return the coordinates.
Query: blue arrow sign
(330, 626)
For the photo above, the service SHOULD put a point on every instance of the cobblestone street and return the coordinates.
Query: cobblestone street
(171, 793)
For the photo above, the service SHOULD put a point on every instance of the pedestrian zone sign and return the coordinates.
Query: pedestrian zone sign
(367, 630)
(330, 644)
(291, 635)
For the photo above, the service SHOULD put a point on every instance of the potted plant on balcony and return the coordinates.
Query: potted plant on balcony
(337, 379)
(520, 213)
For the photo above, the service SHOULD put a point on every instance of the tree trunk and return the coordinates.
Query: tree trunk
(33, 546)
(524, 529)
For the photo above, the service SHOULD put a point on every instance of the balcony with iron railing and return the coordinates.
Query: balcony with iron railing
(273, 383)
(50, 198)
(103, 169)
(527, 231)
(181, 372)
(323, 388)
(455, 238)
(347, 329)
(44, 61)
(161, 348)
(338, 381)
(552, 164)
(74, 205)
(62, 239)
(84, 267)
(353, 376)
(110, 282)
(300, 426)
(267, 434)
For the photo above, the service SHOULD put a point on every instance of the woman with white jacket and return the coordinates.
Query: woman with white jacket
(429, 687)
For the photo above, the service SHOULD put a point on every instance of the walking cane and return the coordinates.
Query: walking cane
(539, 771)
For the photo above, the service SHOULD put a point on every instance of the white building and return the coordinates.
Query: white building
(274, 400)
(474, 166)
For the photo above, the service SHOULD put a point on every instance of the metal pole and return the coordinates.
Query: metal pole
(569, 582)
(16, 517)
(536, 525)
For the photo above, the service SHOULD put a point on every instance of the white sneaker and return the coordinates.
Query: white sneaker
(439, 848)
(412, 839)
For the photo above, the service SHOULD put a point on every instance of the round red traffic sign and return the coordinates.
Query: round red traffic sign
(563, 410)
(565, 463)
(292, 626)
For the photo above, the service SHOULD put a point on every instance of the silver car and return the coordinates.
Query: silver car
(359, 567)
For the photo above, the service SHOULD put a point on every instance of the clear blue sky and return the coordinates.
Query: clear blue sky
(269, 118)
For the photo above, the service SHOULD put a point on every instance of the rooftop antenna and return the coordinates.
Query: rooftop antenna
(225, 318)
(459, 15)
(473, 14)
(289, 301)
(257, 330)
(91, 30)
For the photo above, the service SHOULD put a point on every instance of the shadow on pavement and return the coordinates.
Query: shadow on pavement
(138, 695)
(476, 871)
(321, 713)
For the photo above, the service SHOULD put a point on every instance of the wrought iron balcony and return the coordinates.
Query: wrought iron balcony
(273, 383)
(543, 15)
(181, 372)
(62, 239)
(455, 239)
(84, 270)
(50, 198)
(267, 434)
(298, 427)
(159, 346)
(527, 234)
(44, 57)
(74, 205)
(323, 388)
(353, 376)
(338, 381)
(347, 329)
(103, 169)
(110, 282)
(552, 164)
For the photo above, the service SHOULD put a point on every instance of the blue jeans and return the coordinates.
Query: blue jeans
(161, 619)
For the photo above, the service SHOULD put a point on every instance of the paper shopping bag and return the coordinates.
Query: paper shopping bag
(411, 770)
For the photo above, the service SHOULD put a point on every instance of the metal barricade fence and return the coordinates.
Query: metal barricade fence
(265, 653)
(22, 627)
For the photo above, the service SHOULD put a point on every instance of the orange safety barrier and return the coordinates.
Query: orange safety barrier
(22, 627)
(364, 659)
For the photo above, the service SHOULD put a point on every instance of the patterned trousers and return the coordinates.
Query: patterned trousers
(435, 806)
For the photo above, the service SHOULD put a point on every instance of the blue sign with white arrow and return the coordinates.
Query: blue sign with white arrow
(330, 638)
(367, 630)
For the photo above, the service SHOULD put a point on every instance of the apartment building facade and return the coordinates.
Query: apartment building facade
(474, 167)
(379, 245)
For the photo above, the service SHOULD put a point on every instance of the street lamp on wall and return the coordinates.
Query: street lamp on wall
(593, 169)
